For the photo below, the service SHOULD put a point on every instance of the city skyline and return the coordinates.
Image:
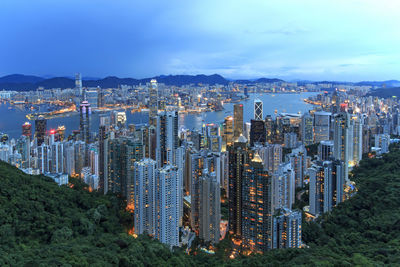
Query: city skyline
(312, 40)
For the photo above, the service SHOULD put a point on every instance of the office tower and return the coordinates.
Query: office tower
(123, 152)
(78, 85)
(167, 138)
(326, 185)
(298, 161)
(357, 142)
(256, 206)
(257, 132)
(60, 133)
(342, 140)
(153, 102)
(40, 130)
(271, 154)
(237, 120)
(238, 159)
(27, 129)
(228, 131)
(246, 130)
(270, 128)
(258, 110)
(100, 97)
(145, 198)
(213, 138)
(118, 119)
(307, 129)
(92, 98)
(103, 152)
(290, 140)
(283, 187)
(210, 208)
(322, 121)
(287, 229)
(168, 196)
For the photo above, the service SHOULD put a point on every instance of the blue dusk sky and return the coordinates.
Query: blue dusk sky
(349, 40)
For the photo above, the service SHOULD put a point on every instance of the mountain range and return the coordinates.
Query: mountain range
(20, 82)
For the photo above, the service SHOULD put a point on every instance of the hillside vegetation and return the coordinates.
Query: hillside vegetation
(42, 224)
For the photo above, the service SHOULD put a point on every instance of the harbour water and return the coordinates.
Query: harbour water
(12, 118)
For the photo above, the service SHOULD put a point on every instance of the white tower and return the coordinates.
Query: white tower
(258, 109)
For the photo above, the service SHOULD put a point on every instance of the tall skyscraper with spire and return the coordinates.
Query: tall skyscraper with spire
(258, 109)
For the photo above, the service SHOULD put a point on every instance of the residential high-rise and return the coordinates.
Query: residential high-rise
(256, 206)
(103, 152)
(357, 141)
(287, 229)
(325, 150)
(322, 121)
(258, 110)
(84, 125)
(237, 120)
(167, 138)
(145, 196)
(257, 132)
(210, 208)
(238, 159)
(342, 140)
(271, 154)
(168, 196)
(27, 129)
(40, 130)
(283, 187)
(326, 186)
(298, 161)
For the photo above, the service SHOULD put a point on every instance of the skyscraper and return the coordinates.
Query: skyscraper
(237, 120)
(167, 138)
(228, 131)
(258, 109)
(307, 129)
(210, 208)
(78, 85)
(256, 206)
(103, 151)
(40, 130)
(322, 121)
(153, 102)
(287, 229)
(238, 159)
(145, 196)
(257, 132)
(84, 126)
(325, 150)
(27, 129)
(342, 140)
(168, 196)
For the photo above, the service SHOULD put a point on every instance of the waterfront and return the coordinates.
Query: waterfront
(12, 118)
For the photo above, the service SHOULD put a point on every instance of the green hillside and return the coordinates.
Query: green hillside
(42, 224)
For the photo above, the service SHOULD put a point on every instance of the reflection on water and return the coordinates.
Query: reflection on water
(11, 120)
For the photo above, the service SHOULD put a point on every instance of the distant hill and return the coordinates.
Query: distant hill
(20, 78)
(386, 92)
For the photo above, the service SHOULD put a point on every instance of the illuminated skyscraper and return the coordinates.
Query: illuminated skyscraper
(84, 126)
(238, 159)
(210, 208)
(103, 151)
(342, 140)
(256, 206)
(257, 132)
(167, 138)
(78, 85)
(40, 130)
(153, 102)
(287, 229)
(237, 120)
(228, 131)
(168, 194)
(258, 109)
(145, 196)
(307, 129)
(322, 123)
(27, 129)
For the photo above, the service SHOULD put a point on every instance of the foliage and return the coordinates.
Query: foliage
(44, 224)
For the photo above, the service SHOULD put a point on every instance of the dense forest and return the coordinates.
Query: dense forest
(44, 224)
